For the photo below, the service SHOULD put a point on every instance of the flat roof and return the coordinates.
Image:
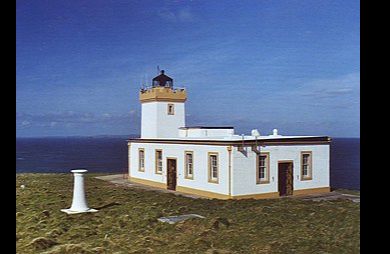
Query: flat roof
(206, 127)
(237, 140)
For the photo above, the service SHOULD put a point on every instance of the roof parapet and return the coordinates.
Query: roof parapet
(168, 94)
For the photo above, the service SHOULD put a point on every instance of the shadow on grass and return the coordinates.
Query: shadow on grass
(108, 205)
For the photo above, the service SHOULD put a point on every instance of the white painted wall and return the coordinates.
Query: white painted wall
(149, 120)
(204, 132)
(156, 123)
(200, 153)
(243, 181)
(244, 168)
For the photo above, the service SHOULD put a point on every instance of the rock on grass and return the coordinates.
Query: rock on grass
(217, 251)
(220, 221)
(42, 243)
(45, 213)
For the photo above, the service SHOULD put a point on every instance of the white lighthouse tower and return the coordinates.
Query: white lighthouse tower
(162, 112)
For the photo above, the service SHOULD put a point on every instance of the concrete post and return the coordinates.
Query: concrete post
(79, 202)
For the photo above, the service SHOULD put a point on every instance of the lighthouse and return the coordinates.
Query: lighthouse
(162, 108)
(213, 161)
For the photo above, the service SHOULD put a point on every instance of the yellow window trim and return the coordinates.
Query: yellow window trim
(171, 112)
(186, 176)
(210, 180)
(141, 169)
(310, 170)
(258, 181)
(156, 162)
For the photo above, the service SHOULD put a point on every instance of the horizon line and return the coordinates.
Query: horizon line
(122, 135)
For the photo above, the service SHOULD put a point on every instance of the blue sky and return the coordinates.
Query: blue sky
(291, 65)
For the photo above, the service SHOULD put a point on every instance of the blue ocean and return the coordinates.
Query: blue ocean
(109, 154)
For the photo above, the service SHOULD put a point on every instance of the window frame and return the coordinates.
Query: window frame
(309, 176)
(267, 168)
(141, 169)
(186, 175)
(171, 112)
(210, 178)
(156, 161)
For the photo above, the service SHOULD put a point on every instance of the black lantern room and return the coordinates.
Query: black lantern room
(162, 80)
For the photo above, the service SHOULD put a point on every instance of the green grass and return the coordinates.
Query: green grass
(127, 222)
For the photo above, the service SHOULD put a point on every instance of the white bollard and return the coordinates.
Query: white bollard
(79, 202)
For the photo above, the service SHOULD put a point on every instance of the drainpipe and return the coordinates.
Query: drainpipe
(128, 160)
(229, 148)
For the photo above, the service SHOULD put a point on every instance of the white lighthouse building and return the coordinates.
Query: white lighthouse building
(163, 110)
(214, 162)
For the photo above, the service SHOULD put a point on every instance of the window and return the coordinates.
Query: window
(306, 166)
(171, 109)
(263, 168)
(189, 165)
(159, 162)
(156, 83)
(141, 160)
(213, 167)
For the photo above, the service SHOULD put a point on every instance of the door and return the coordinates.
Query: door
(171, 174)
(285, 183)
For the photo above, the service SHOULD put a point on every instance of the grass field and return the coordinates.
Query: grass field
(127, 222)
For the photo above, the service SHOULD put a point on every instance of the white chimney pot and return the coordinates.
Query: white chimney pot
(255, 133)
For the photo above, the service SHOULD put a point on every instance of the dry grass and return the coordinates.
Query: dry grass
(127, 222)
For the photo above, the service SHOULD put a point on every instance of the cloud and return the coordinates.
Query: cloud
(167, 15)
(344, 86)
(70, 119)
(181, 15)
(185, 15)
(25, 123)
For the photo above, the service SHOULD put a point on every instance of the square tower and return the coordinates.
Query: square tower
(162, 108)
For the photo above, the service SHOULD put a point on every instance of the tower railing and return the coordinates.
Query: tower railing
(175, 89)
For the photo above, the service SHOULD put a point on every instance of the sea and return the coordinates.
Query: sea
(108, 154)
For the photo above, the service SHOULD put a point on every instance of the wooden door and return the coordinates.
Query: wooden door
(171, 174)
(285, 178)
